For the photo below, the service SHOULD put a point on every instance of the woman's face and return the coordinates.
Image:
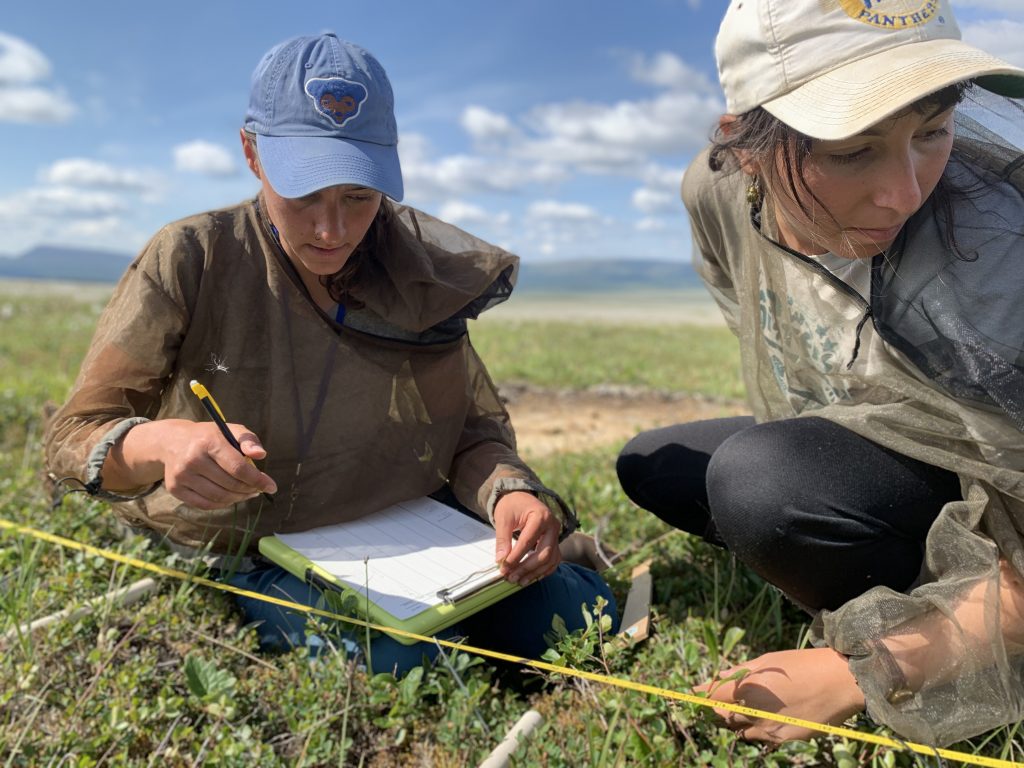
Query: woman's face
(318, 232)
(866, 186)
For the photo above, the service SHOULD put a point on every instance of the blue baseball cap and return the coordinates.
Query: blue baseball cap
(324, 114)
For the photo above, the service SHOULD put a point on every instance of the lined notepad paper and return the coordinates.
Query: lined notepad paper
(406, 557)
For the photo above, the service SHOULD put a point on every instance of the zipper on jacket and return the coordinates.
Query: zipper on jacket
(842, 286)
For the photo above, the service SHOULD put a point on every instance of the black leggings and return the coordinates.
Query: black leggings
(810, 506)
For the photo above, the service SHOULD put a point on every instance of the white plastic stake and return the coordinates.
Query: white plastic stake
(125, 595)
(519, 733)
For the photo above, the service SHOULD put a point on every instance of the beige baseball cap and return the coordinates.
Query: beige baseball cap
(832, 68)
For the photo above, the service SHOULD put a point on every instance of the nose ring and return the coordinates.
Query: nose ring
(316, 236)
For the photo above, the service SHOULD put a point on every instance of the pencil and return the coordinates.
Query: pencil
(218, 418)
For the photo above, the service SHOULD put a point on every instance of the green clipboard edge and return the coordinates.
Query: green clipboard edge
(427, 622)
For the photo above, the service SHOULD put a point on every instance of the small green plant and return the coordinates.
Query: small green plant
(586, 646)
(214, 687)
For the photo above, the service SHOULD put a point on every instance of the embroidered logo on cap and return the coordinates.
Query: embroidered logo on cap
(336, 98)
(891, 14)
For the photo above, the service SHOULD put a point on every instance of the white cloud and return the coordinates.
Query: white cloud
(60, 201)
(651, 224)
(22, 100)
(664, 177)
(101, 228)
(556, 211)
(563, 229)
(652, 201)
(33, 105)
(552, 142)
(667, 70)
(531, 153)
(204, 157)
(621, 137)
(1011, 8)
(467, 214)
(69, 216)
(456, 176)
(672, 122)
(1000, 38)
(21, 62)
(54, 203)
(82, 172)
(483, 124)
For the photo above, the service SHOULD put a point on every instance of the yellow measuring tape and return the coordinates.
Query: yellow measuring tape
(833, 730)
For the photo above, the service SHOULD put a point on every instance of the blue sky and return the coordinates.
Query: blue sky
(556, 128)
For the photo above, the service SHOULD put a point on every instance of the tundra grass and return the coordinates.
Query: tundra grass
(701, 360)
(176, 679)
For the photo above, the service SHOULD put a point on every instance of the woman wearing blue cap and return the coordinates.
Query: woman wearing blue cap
(863, 237)
(331, 324)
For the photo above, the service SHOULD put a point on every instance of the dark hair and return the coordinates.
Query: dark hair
(359, 267)
(761, 134)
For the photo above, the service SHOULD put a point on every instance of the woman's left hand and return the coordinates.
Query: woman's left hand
(535, 553)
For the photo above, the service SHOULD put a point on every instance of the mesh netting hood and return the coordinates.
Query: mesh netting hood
(948, 295)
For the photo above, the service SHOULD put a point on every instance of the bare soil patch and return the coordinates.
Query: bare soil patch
(565, 421)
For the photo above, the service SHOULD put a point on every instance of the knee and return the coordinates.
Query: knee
(750, 494)
(633, 467)
(573, 590)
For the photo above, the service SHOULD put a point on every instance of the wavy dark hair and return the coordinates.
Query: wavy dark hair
(761, 134)
(361, 266)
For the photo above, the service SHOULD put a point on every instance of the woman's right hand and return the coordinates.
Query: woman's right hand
(195, 461)
(813, 684)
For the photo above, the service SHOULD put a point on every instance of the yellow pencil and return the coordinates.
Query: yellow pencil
(219, 419)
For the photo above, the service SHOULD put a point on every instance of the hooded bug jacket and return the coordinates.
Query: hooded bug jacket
(936, 375)
(391, 405)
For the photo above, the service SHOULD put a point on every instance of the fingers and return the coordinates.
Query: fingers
(206, 484)
(205, 470)
(534, 554)
(767, 685)
(725, 690)
(538, 559)
(248, 442)
(504, 527)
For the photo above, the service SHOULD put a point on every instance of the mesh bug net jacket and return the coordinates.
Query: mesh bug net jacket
(391, 405)
(950, 297)
(937, 374)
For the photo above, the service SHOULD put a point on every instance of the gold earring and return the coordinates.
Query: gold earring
(754, 191)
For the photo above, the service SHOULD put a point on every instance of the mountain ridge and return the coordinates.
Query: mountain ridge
(50, 262)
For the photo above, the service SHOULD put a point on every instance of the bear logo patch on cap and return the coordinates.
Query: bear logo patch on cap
(891, 14)
(336, 98)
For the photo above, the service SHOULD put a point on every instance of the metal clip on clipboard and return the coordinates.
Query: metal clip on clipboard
(469, 585)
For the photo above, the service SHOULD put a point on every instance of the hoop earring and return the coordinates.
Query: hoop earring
(754, 194)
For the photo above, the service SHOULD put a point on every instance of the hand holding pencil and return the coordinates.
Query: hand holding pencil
(206, 464)
(218, 418)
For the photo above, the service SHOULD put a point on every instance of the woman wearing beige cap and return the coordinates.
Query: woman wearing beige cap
(859, 217)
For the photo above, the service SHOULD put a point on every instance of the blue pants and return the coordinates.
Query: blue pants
(515, 625)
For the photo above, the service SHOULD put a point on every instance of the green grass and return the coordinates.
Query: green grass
(678, 358)
(176, 680)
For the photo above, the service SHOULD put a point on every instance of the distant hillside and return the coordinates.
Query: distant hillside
(49, 262)
(605, 275)
(52, 262)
